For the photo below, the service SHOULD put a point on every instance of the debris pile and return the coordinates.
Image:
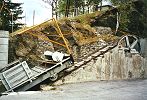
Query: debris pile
(88, 38)
(81, 37)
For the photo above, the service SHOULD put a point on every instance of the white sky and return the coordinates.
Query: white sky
(106, 2)
(42, 11)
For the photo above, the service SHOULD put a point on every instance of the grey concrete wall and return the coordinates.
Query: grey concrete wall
(143, 43)
(144, 53)
(114, 65)
(4, 38)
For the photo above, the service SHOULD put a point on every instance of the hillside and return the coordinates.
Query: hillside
(84, 34)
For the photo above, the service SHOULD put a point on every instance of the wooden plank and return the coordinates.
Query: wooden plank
(38, 78)
(34, 72)
(27, 69)
(10, 64)
(37, 70)
(17, 74)
(21, 77)
(6, 81)
(43, 77)
(12, 69)
(79, 64)
(95, 54)
(11, 74)
(41, 68)
(18, 80)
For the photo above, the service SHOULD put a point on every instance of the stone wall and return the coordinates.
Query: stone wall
(79, 52)
(144, 52)
(113, 65)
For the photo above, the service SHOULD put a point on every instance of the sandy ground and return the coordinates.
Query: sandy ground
(99, 90)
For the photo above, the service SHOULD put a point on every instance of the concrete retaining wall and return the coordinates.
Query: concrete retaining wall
(4, 38)
(114, 65)
(144, 53)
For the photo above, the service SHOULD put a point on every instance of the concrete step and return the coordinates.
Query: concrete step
(89, 58)
(79, 64)
(95, 54)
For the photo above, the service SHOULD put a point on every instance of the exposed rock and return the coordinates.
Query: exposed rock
(114, 65)
(81, 39)
(103, 30)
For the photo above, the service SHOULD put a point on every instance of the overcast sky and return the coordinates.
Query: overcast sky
(42, 11)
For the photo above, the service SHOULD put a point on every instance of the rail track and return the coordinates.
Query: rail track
(13, 80)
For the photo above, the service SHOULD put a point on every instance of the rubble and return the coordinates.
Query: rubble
(47, 88)
(103, 30)
(81, 38)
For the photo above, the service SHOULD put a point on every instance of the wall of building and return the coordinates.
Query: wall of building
(4, 38)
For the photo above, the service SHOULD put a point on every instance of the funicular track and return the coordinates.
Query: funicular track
(100, 52)
(39, 74)
(43, 74)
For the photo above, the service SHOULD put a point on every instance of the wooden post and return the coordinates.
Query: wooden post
(33, 17)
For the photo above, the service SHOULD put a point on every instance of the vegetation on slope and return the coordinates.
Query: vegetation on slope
(80, 31)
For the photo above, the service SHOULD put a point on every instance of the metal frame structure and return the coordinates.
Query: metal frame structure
(13, 80)
(16, 75)
(36, 74)
(60, 34)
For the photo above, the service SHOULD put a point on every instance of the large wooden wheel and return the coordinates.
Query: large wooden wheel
(130, 43)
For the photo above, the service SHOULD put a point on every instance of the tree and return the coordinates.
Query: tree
(95, 4)
(54, 5)
(67, 8)
(76, 6)
(119, 2)
(133, 16)
(9, 14)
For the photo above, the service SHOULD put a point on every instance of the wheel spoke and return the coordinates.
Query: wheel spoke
(127, 42)
(133, 44)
